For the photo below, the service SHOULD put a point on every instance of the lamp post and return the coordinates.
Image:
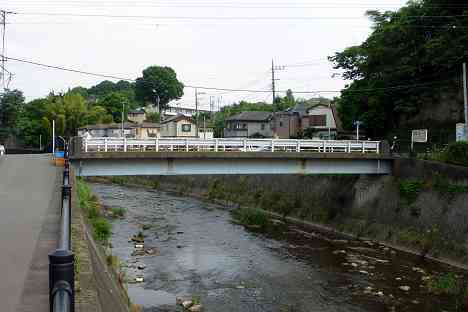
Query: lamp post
(357, 124)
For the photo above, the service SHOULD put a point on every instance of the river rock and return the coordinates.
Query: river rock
(141, 267)
(196, 308)
(404, 288)
(354, 265)
(151, 251)
(364, 272)
(337, 252)
(187, 304)
(139, 246)
(419, 270)
(380, 294)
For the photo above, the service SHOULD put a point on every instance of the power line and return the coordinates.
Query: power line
(228, 17)
(226, 89)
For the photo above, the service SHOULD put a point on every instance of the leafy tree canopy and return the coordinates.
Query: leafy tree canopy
(158, 81)
(411, 55)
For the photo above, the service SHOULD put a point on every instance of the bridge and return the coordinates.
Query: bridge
(176, 156)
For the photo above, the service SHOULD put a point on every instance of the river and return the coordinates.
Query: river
(200, 253)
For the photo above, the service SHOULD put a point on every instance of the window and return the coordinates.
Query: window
(263, 126)
(244, 126)
(318, 120)
(281, 123)
(186, 128)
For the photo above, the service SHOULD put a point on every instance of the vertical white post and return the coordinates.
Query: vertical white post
(105, 145)
(53, 139)
(86, 144)
(378, 148)
(186, 145)
(125, 144)
(272, 146)
(298, 149)
(216, 145)
(363, 147)
(245, 145)
(324, 149)
(156, 146)
(349, 147)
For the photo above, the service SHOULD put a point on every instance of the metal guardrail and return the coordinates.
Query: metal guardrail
(62, 260)
(227, 145)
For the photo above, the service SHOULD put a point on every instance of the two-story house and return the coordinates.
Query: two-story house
(249, 125)
(321, 122)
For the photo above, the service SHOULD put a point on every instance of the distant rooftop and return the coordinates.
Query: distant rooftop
(250, 116)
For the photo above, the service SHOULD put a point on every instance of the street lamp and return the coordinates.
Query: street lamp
(357, 123)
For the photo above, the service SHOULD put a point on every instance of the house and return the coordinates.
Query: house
(137, 116)
(112, 130)
(148, 130)
(178, 126)
(142, 131)
(321, 122)
(288, 124)
(249, 125)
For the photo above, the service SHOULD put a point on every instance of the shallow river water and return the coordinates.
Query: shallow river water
(200, 253)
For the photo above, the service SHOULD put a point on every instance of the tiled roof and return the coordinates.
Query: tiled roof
(251, 116)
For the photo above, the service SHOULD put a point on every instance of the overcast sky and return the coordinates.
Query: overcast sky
(209, 43)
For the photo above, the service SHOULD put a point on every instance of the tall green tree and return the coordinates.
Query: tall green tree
(159, 82)
(412, 56)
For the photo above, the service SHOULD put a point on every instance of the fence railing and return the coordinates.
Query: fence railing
(61, 261)
(227, 145)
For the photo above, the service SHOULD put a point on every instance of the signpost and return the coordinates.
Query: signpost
(418, 136)
(357, 124)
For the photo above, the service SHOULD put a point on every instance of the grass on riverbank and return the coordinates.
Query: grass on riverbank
(89, 203)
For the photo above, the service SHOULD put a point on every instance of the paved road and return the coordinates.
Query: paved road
(28, 230)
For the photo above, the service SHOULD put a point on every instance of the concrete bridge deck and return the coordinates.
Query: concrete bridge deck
(29, 215)
(193, 163)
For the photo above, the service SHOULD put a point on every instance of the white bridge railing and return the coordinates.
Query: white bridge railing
(227, 145)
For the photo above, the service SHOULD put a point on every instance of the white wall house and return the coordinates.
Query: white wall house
(178, 126)
(321, 120)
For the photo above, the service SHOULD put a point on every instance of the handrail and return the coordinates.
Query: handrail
(109, 144)
(61, 261)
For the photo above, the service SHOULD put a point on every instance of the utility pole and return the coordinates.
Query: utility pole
(273, 86)
(196, 111)
(465, 96)
(4, 13)
(53, 139)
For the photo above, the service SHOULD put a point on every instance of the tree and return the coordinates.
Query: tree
(11, 103)
(153, 117)
(159, 82)
(405, 63)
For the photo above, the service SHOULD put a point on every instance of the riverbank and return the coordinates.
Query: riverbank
(201, 253)
(98, 282)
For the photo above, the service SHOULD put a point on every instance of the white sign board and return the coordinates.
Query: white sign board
(461, 135)
(419, 136)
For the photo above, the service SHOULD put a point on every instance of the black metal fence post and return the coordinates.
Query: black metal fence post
(62, 260)
(61, 279)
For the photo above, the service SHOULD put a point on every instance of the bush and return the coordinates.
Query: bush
(118, 212)
(457, 153)
(102, 229)
(250, 216)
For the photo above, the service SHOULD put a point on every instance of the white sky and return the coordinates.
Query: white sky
(215, 48)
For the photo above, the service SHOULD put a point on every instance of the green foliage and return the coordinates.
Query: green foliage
(11, 104)
(457, 153)
(251, 217)
(153, 117)
(118, 212)
(445, 284)
(409, 190)
(101, 229)
(158, 81)
(402, 65)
